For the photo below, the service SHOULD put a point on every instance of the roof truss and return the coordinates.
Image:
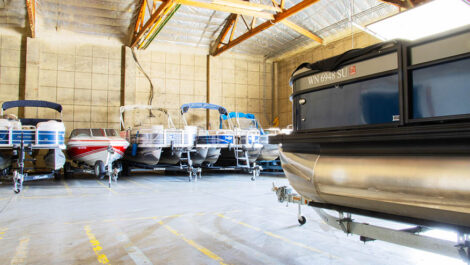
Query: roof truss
(219, 46)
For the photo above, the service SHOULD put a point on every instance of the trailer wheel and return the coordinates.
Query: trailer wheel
(100, 170)
(302, 220)
(126, 170)
(67, 170)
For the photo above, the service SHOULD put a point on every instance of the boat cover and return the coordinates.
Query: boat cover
(186, 107)
(335, 62)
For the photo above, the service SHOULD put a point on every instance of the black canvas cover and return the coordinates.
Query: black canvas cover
(334, 63)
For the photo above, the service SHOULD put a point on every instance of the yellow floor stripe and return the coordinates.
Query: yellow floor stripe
(2, 231)
(190, 242)
(100, 256)
(21, 253)
(106, 186)
(67, 188)
(276, 236)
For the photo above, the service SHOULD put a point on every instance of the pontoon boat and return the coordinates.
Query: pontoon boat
(208, 142)
(22, 136)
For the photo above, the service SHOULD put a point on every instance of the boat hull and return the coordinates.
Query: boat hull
(144, 155)
(54, 159)
(89, 154)
(199, 156)
(213, 155)
(422, 187)
(269, 152)
(5, 160)
(170, 156)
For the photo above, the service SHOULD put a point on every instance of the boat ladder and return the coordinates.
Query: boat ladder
(241, 156)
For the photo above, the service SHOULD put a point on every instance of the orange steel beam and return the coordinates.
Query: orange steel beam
(277, 18)
(154, 6)
(234, 27)
(228, 25)
(151, 22)
(140, 18)
(31, 7)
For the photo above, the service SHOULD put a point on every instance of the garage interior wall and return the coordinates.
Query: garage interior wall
(285, 67)
(12, 68)
(92, 81)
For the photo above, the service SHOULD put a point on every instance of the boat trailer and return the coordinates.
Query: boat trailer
(19, 174)
(111, 170)
(409, 237)
(185, 165)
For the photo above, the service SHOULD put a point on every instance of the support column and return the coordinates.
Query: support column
(276, 92)
(129, 89)
(208, 90)
(32, 74)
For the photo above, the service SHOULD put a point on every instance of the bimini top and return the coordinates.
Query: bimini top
(186, 107)
(31, 103)
(234, 114)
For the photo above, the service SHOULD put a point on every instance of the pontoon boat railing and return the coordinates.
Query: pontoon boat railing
(123, 109)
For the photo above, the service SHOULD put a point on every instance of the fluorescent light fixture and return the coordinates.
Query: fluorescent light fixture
(238, 5)
(425, 20)
(368, 31)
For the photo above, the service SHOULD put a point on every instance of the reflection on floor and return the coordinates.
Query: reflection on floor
(155, 219)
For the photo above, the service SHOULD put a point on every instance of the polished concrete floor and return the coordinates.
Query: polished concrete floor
(156, 219)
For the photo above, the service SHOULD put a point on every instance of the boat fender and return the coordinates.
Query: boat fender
(134, 145)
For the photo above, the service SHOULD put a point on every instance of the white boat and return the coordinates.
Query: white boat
(97, 148)
(154, 144)
(208, 142)
(247, 146)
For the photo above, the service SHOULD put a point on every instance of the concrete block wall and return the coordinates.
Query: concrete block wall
(287, 66)
(85, 79)
(177, 78)
(92, 81)
(243, 84)
(12, 68)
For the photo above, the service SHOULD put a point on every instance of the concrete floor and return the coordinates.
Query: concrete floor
(155, 219)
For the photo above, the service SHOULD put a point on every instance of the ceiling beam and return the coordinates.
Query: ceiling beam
(31, 7)
(228, 25)
(406, 4)
(246, 4)
(239, 7)
(219, 47)
(302, 31)
(143, 35)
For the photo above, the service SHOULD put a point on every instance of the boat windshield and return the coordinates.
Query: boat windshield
(80, 133)
(98, 132)
(248, 124)
(111, 132)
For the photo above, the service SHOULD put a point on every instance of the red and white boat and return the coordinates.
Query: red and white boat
(97, 148)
